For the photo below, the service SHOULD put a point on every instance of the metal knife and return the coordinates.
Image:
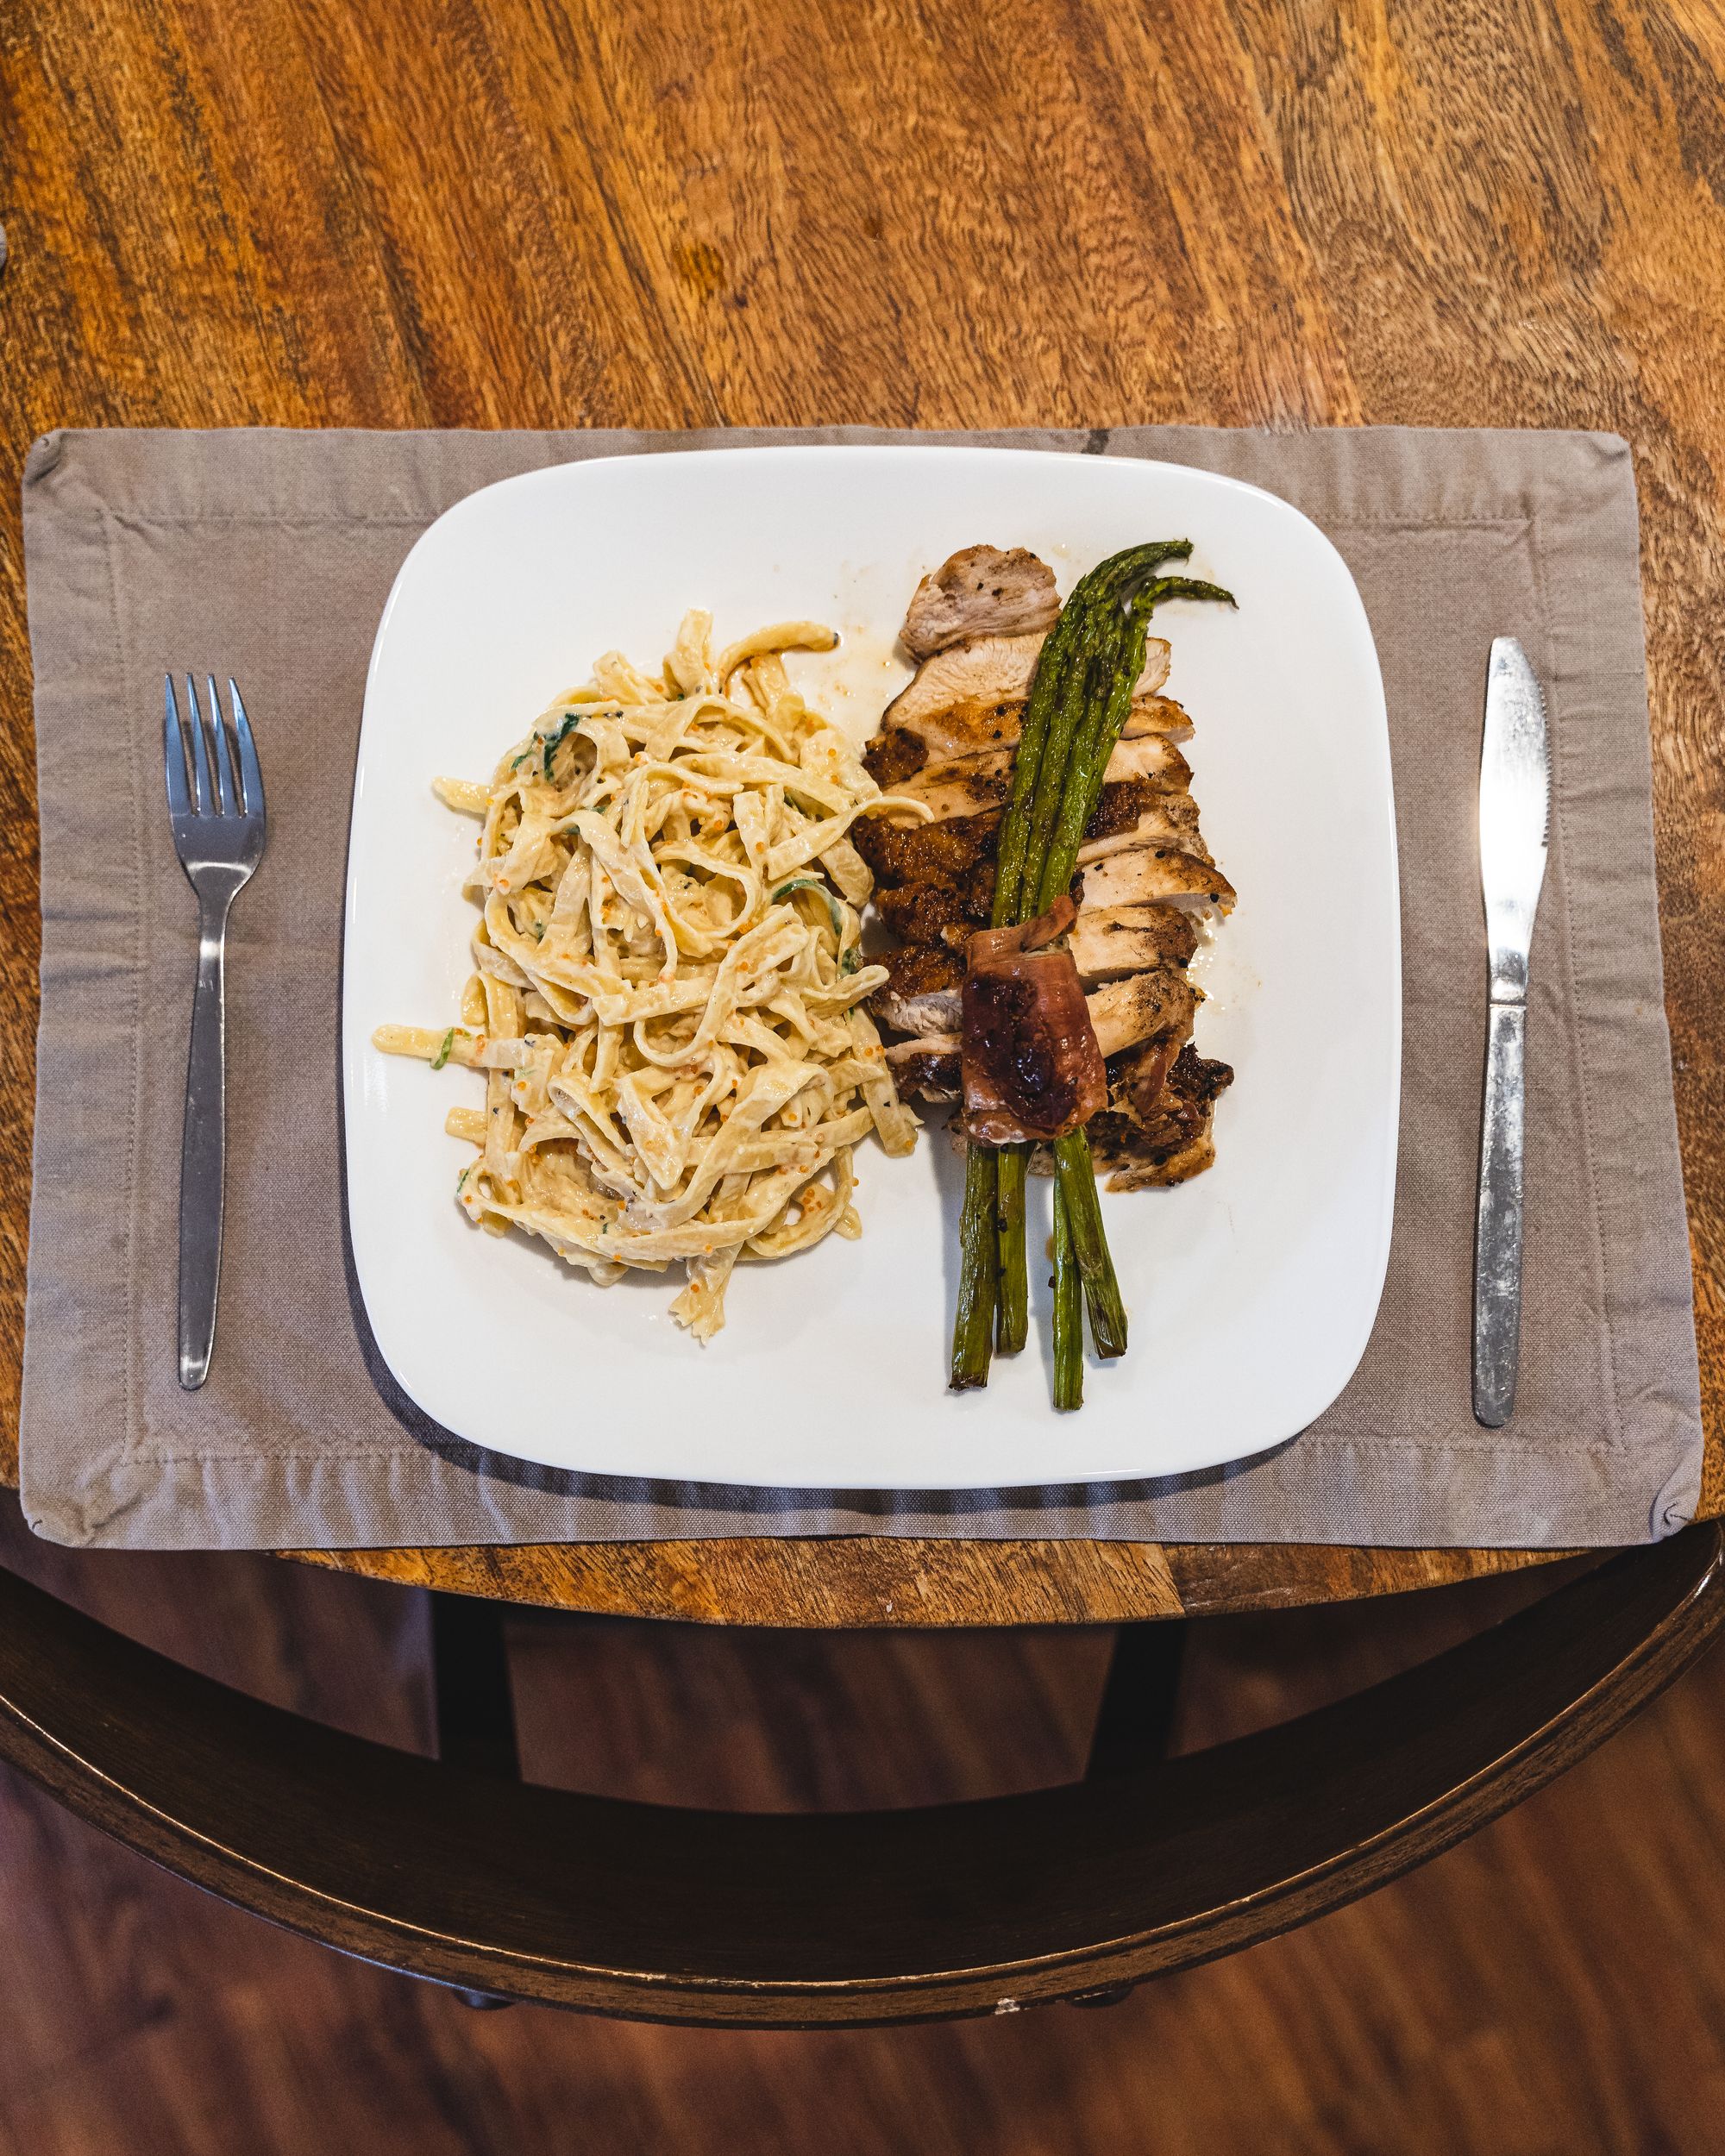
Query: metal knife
(1515, 807)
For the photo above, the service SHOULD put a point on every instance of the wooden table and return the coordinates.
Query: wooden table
(556, 213)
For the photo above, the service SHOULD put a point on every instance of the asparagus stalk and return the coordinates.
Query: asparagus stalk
(1068, 1323)
(1063, 731)
(1012, 1310)
(977, 1268)
(1044, 693)
(1102, 1297)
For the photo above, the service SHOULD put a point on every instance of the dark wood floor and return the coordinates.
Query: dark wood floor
(1557, 1985)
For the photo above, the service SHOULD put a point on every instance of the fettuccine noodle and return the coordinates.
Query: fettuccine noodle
(668, 986)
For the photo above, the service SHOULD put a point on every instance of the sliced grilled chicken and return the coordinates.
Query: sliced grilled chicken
(926, 1044)
(981, 592)
(1147, 750)
(1134, 812)
(923, 992)
(1137, 1077)
(963, 785)
(1106, 949)
(1156, 1006)
(927, 1014)
(1139, 816)
(898, 754)
(1156, 1140)
(939, 736)
(1152, 756)
(962, 788)
(1154, 875)
(992, 670)
(939, 912)
(1178, 924)
(1151, 714)
(1144, 879)
(925, 852)
(1130, 819)
(931, 1070)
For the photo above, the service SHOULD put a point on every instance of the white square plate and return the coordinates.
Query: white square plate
(1251, 1289)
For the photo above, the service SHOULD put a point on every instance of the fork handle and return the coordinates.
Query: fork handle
(202, 1149)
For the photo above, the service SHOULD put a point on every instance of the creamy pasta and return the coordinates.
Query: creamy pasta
(668, 984)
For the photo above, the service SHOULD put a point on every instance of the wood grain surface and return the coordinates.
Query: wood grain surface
(1554, 1987)
(564, 213)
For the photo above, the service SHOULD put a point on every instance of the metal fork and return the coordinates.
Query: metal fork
(218, 833)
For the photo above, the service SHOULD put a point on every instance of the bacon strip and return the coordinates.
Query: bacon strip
(1033, 1069)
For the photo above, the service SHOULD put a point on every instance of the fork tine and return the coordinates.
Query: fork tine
(173, 757)
(251, 775)
(204, 782)
(224, 762)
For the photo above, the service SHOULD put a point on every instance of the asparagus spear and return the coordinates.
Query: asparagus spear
(1044, 691)
(1068, 1325)
(976, 1273)
(1103, 1297)
(1012, 1310)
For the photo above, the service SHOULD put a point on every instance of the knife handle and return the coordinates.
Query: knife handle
(1497, 1236)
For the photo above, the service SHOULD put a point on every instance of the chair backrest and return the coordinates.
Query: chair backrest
(493, 1886)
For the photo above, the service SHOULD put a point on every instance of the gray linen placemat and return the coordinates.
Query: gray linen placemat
(269, 554)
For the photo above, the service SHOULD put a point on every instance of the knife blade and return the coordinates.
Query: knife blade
(1515, 809)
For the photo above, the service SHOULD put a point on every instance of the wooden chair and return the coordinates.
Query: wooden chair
(454, 1870)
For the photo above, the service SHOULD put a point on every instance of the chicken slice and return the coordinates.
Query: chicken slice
(923, 991)
(1154, 875)
(961, 788)
(926, 853)
(1168, 1140)
(1150, 752)
(981, 592)
(1153, 714)
(924, 980)
(925, 1014)
(939, 912)
(1140, 816)
(991, 670)
(1152, 756)
(1145, 1006)
(898, 754)
(1107, 949)
(963, 785)
(928, 1069)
